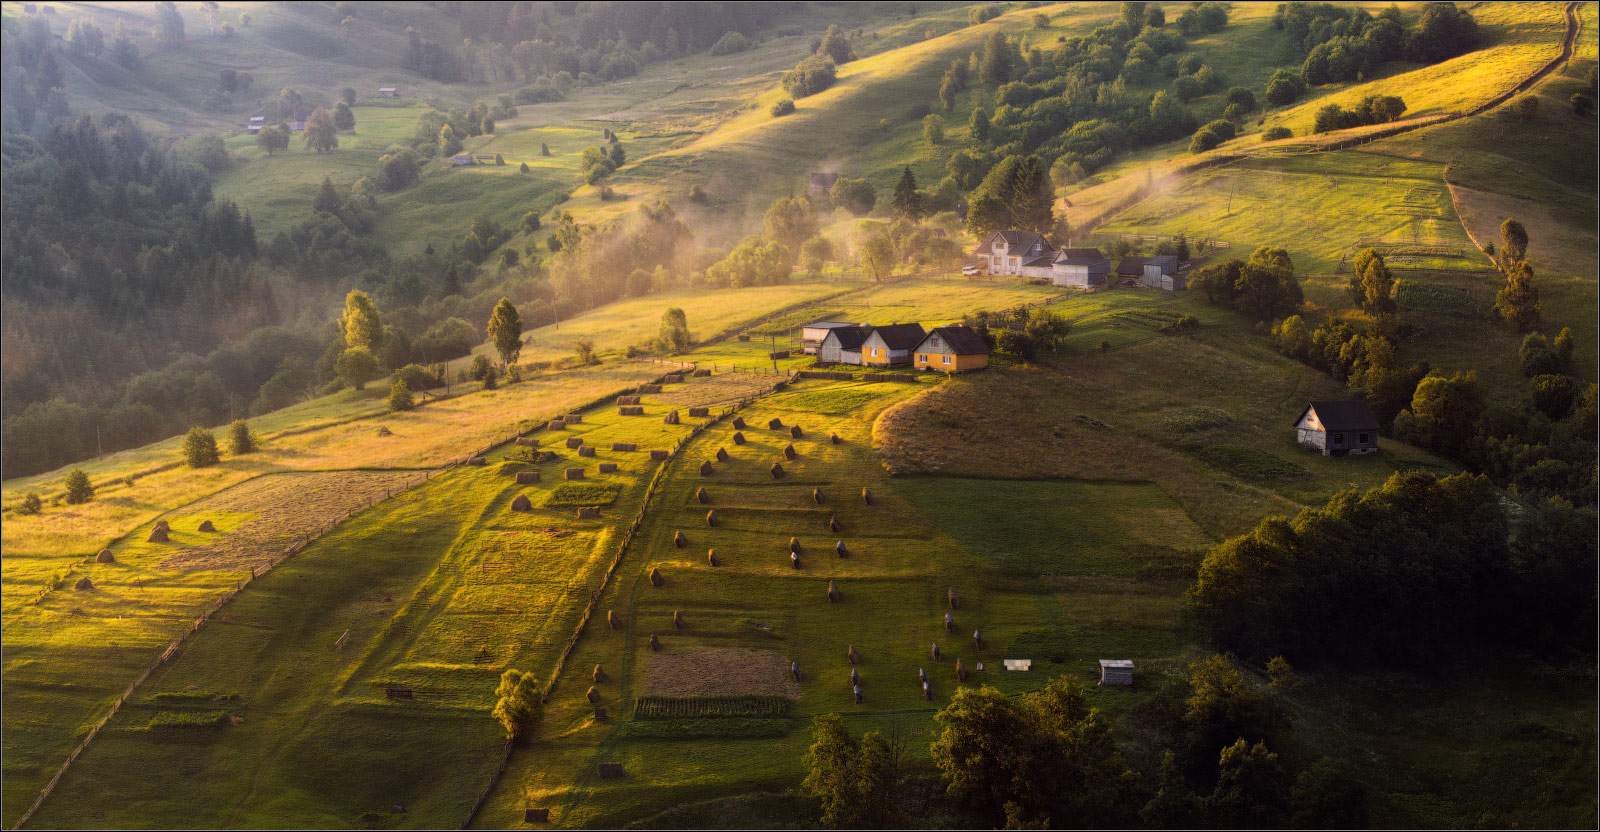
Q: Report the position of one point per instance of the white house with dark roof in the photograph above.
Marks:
(1338, 428)
(811, 335)
(1084, 268)
(842, 345)
(1029, 254)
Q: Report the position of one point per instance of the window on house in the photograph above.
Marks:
(947, 359)
(1363, 439)
(1338, 439)
(874, 353)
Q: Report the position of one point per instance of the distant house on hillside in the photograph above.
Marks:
(811, 335)
(388, 92)
(257, 123)
(951, 349)
(1085, 268)
(1338, 428)
(891, 345)
(1029, 254)
(1161, 272)
(842, 345)
(822, 182)
(461, 161)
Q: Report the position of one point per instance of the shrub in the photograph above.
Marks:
(200, 448)
(400, 396)
(810, 76)
(1204, 139)
(730, 43)
(482, 368)
(1273, 134)
(418, 377)
(240, 440)
(31, 504)
(783, 108)
(450, 338)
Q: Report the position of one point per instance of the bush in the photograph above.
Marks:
(1273, 134)
(418, 377)
(400, 396)
(730, 43)
(31, 504)
(482, 368)
(450, 338)
(1204, 139)
(200, 448)
(240, 440)
(810, 76)
(79, 490)
(783, 108)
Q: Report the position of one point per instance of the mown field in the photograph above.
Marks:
(434, 592)
(748, 617)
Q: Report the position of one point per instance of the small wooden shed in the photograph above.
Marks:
(1116, 672)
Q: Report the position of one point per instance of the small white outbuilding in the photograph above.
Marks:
(1116, 672)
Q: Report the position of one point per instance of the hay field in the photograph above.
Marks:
(440, 589)
(904, 551)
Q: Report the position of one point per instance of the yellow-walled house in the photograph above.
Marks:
(891, 345)
(951, 349)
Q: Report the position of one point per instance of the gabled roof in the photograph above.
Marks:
(1131, 266)
(1043, 260)
(1167, 262)
(1016, 241)
(961, 339)
(848, 337)
(1081, 257)
(1342, 415)
(826, 325)
(900, 336)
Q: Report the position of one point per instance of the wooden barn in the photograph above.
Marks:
(952, 349)
(1116, 671)
(1338, 428)
(891, 345)
(843, 345)
(811, 335)
(1025, 253)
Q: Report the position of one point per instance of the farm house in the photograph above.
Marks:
(1029, 254)
(388, 92)
(1084, 268)
(952, 349)
(843, 345)
(1338, 428)
(811, 335)
(891, 345)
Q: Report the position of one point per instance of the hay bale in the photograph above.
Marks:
(795, 432)
(478, 460)
(789, 452)
(521, 503)
(556, 424)
(574, 418)
(532, 815)
(738, 423)
(699, 412)
(574, 442)
(677, 620)
(649, 388)
(953, 599)
(857, 694)
(621, 400)
(624, 446)
(839, 547)
(794, 544)
(157, 535)
(588, 512)
(206, 526)
(866, 496)
(711, 557)
(162, 524)
(833, 593)
(937, 655)
(738, 438)
(927, 692)
(922, 675)
(949, 623)
(774, 423)
(671, 418)
(586, 450)
(574, 473)
(794, 670)
(961, 671)
(977, 639)
(701, 374)
(527, 442)
(634, 410)
(660, 455)
(83, 584)
(855, 677)
(777, 471)
(705, 468)
(702, 496)
(794, 560)
(711, 517)
(722, 455)
(852, 655)
(833, 525)
(655, 643)
(607, 468)
(655, 576)
(744, 336)
(383, 430)
(593, 695)
(817, 496)
(834, 438)
(679, 539)
(105, 556)
(599, 675)
(613, 620)
(527, 477)
(675, 378)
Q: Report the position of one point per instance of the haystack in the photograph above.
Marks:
(162, 524)
(937, 656)
(866, 496)
(383, 430)
(839, 547)
(705, 468)
(679, 539)
(777, 471)
(659, 455)
(527, 477)
(794, 560)
(927, 692)
(834, 438)
(738, 423)
(852, 655)
(521, 503)
(833, 593)
(677, 620)
(703, 496)
(573, 418)
(795, 432)
(789, 452)
(593, 695)
(613, 620)
(624, 446)
(711, 517)
(105, 556)
(478, 460)
(607, 468)
(655, 643)
(857, 694)
(774, 423)
(833, 525)
(157, 535)
(711, 556)
(977, 639)
(961, 671)
(722, 455)
(949, 623)
(574, 442)
(83, 583)
(630, 410)
(527, 442)
(588, 512)
(586, 450)
(671, 418)
(205, 526)
(701, 373)
(574, 473)
(699, 412)
(922, 675)
(738, 438)
(649, 388)
(794, 544)
(655, 576)
(621, 400)
(794, 670)
(855, 677)
(950, 596)
(675, 378)
(556, 424)
(599, 675)
(817, 496)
